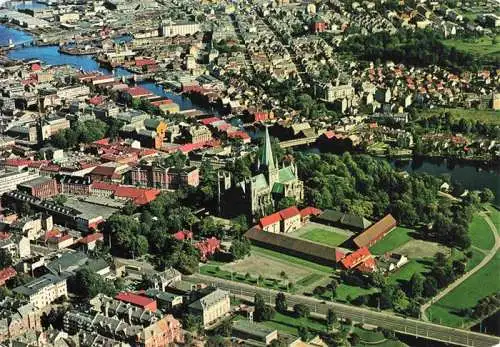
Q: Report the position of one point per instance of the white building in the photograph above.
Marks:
(44, 290)
(170, 29)
(9, 179)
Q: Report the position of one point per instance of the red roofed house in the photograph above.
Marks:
(90, 241)
(271, 223)
(357, 258)
(182, 235)
(138, 300)
(240, 134)
(138, 92)
(207, 247)
(6, 274)
(260, 116)
(375, 232)
(291, 220)
(307, 212)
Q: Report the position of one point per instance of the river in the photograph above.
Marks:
(50, 55)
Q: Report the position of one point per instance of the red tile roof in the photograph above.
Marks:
(6, 274)
(307, 211)
(138, 91)
(137, 300)
(207, 247)
(289, 212)
(356, 258)
(271, 219)
(210, 120)
(183, 235)
(92, 238)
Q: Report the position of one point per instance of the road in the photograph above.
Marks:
(396, 323)
(490, 255)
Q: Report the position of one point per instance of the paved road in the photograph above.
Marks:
(490, 255)
(385, 320)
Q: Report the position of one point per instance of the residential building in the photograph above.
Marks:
(247, 330)
(44, 290)
(137, 300)
(9, 179)
(343, 220)
(167, 278)
(6, 274)
(41, 187)
(166, 300)
(207, 247)
(290, 219)
(33, 226)
(211, 307)
(199, 133)
(17, 245)
(16, 317)
(360, 259)
(170, 29)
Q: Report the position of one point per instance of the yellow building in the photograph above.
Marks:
(212, 306)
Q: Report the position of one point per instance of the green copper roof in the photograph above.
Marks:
(286, 175)
(266, 157)
(278, 188)
(259, 182)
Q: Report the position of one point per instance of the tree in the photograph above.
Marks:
(304, 333)
(88, 284)
(240, 248)
(331, 318)
(399, 300)
(280, 303)
(355, 340)
(301, 310)
(225, 328)
(262, 312)
(5, 258)
(60, 199)
(430, 287)
(192, 323)
(487, 195)
(416, 285)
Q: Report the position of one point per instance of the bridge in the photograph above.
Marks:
(298, 142)
(399, 324)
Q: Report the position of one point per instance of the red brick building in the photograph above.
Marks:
(19, 319)
(41, 187)
(361, 259)
(156, 176)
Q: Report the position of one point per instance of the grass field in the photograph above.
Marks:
(344, 290)
(329, 238)
(288, 324)
(386, 343)
(485, 116)
(480, 233)
(396, 238)
(291, 259)
(476, 258)
(369, 336)
(480, 46)
(483, 283)
(404, 274)
(307, 281)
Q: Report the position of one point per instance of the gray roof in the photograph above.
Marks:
(347, 219)
(251, 328)
(67, 262)
(37, 284)
(36, 181)
(208, 300)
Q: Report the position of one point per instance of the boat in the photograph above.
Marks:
(11, 44)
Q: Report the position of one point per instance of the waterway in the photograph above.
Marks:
(50, 55)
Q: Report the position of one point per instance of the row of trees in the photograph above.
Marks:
(447, 123)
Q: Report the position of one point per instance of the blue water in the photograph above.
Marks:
(27, 4)
(50, 55)
(17, 37)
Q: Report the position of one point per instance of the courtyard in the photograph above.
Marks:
(323, 234)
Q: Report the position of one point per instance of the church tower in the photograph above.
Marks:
(267, 164)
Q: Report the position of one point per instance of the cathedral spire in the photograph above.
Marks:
(266, 158)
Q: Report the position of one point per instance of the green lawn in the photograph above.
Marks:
(291, 259)
(326, 237)
(386, 343)
(345, 290)
(404, 274)
(480, 46)
(310, 279)
(483, 283)
(476, 258)
(398, 237)
(288, 324)
(480, 233)
(369, 336)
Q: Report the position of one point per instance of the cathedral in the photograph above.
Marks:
(270, 183)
